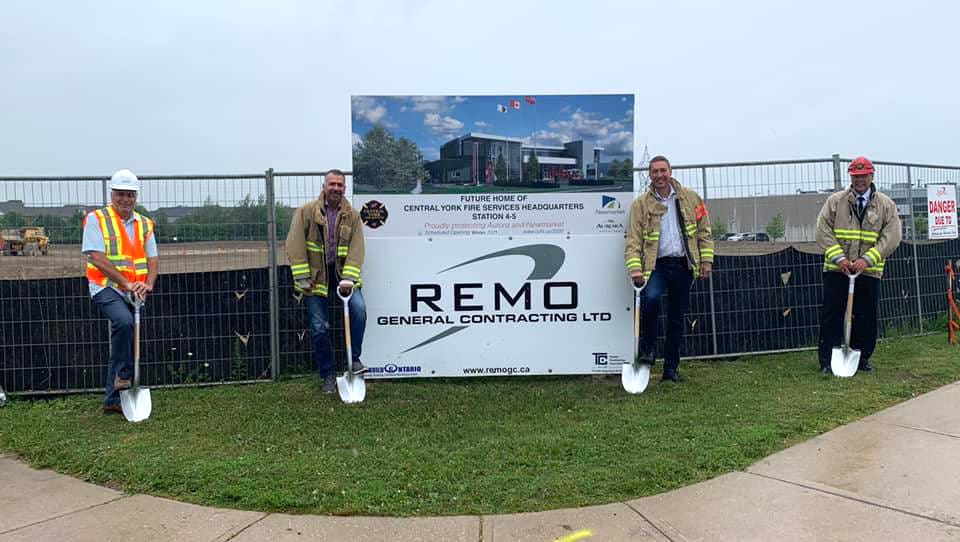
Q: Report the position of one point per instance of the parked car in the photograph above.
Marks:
(751, 236)
(727, 236)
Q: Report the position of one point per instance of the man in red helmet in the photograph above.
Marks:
(857, 229)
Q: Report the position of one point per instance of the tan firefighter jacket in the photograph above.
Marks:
(306, 245)
(643, 230)
(843, 233)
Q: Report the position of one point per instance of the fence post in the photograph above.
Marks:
(713, 313)
(913, 237)
(103, 188)
(837, 178)
(272, 275)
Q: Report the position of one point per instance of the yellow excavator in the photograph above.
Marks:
(29, 241)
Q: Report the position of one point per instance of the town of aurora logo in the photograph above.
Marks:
(374, 214)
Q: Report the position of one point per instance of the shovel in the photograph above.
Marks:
(844, 361)
(350, 386)
(135, 402)
(634, 376)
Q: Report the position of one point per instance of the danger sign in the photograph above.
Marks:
(942, 211)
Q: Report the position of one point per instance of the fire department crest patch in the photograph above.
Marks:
(374, 214)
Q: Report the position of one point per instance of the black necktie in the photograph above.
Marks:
(863, 203)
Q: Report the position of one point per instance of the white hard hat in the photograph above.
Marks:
(124, 180)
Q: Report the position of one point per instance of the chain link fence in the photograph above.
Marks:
(225, 310)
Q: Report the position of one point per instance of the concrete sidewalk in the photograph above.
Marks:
(892, 476)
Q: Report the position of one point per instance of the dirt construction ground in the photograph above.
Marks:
(66, 260)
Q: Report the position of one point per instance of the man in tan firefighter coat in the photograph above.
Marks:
(857, 229)
(325, 249)
(669, 243)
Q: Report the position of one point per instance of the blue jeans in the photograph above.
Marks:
(320, 328)
(671, 276)
(120, 313)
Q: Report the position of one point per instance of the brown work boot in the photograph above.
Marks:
(121, 384)
(113, 408)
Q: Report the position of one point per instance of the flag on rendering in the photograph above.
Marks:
(501, 108)
(515, 104)
(530, 100)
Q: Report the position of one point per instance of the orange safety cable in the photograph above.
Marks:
(952, 310)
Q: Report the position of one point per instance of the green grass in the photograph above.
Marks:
(445, 447)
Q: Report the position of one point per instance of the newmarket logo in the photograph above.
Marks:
(609, 202)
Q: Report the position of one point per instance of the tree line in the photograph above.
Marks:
(247, 221)
(386, 163)
(620, 170)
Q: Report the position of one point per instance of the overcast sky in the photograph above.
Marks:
(235, 87)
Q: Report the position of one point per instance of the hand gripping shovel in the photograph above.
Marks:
(350, 386)
(844, 361)
(135, 402)
(634, 376)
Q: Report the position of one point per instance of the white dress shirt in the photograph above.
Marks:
(671, 239)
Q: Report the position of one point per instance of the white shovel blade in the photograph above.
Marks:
(634, 377)
(844, 366)
(136, 404)
(351, 388)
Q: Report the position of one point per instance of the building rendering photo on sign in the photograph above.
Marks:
(495, 232)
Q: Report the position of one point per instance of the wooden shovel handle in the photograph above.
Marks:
(848, 317)
(346, 327)
(136, 344)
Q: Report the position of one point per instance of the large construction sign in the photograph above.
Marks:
(494, 231)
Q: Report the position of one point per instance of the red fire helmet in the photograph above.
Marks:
(860, 166)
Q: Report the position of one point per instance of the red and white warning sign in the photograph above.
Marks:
(942, 211)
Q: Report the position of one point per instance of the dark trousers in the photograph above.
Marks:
(317, 312)
(120, 313)
(673, 277)
(863, 332)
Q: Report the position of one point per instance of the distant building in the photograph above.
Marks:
(65, 211)
(174, 213)
(753, 214)
(11, 206)
(472, 158)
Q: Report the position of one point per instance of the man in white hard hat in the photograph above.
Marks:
(122, 263)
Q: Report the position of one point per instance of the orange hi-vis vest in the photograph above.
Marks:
(128, 256)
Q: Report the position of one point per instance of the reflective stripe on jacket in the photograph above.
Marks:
(843, 233)
(127, 255)
(643, 230)
(306, 245)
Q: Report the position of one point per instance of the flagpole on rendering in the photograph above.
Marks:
(515, 104)
(521, 155)
(502, 109)
(534, 130)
